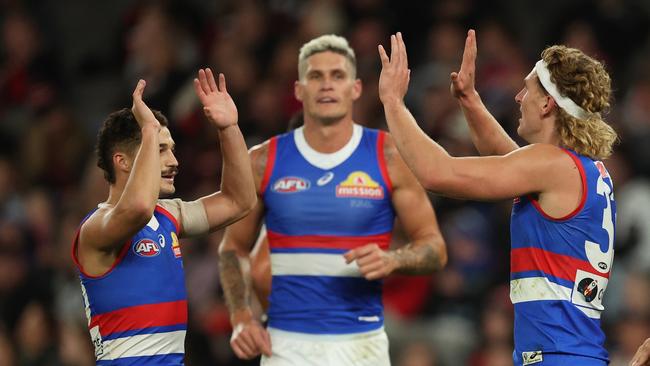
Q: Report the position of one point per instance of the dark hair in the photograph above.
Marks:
(120, 131)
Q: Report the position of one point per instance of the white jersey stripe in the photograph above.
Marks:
(592, 313)
(312, 264)
(540, 288)
(144, 345)
(537, 288)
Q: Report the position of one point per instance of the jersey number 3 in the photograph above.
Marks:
(589, 288)
(602, 261)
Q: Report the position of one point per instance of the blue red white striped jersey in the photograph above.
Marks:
(560, 268)
(137, 310)
(316, 213)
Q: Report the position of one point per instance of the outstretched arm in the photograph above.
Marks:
(525, 170)
(237, 195)
(487, 134)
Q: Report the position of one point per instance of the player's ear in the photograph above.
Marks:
(547, 107)
(121, 161)
(298, 90)
(357, 88)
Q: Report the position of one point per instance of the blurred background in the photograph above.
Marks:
(67, 64)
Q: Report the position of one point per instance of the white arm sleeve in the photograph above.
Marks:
(191, 216)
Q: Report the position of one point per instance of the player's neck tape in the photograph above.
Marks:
(565, 103)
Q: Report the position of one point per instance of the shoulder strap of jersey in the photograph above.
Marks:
(381, 160)
(270, 162)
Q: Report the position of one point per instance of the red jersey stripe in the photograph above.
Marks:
(557, 265)
(381, 159)
(277, 240)
(171, 218)
(583, 198)
(270, 162)
(141, 316)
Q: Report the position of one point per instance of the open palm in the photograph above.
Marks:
(218, 106)
(143, 114)
(462, 82)
(395, 74)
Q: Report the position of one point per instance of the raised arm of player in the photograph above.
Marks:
(426, 251)
(537, 168)
(107, 230)
(249, 338)
(487, 134)
(237, 195)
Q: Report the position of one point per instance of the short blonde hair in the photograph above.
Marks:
(585, 81)
(328, 42)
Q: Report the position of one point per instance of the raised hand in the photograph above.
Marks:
(395, 74)
(140, 110)
(218, 106)
(462, 82)
(373, 262)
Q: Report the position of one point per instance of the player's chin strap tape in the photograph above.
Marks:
(565, 103)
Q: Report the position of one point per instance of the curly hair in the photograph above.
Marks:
(119, 132)
(585, 81)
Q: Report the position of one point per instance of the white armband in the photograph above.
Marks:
(191, 216)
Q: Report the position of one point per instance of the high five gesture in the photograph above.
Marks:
(462, 82)
(218, 106)
(395, 74)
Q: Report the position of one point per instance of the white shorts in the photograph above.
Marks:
(301, 349)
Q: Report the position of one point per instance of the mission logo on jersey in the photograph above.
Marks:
(146, 248)
(359, 185)
(290, 185)
(176, 246)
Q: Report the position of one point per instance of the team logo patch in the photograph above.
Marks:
(290, 185)
(359, 185)
(588, 287)
(532, 357)
(146, 248)
(176, 246)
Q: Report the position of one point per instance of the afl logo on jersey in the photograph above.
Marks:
(290, 185)
(146, 248)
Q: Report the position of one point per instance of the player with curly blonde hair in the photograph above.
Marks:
(585, 81)
(562, 225)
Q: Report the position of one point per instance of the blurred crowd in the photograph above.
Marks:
(66, 65)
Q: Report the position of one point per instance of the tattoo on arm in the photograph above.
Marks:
(234, 285)
(417, 259)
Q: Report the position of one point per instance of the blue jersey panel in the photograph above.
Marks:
(560, 269)
(317, 215)
(138, 278)
(332, 305)
(351, 199)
